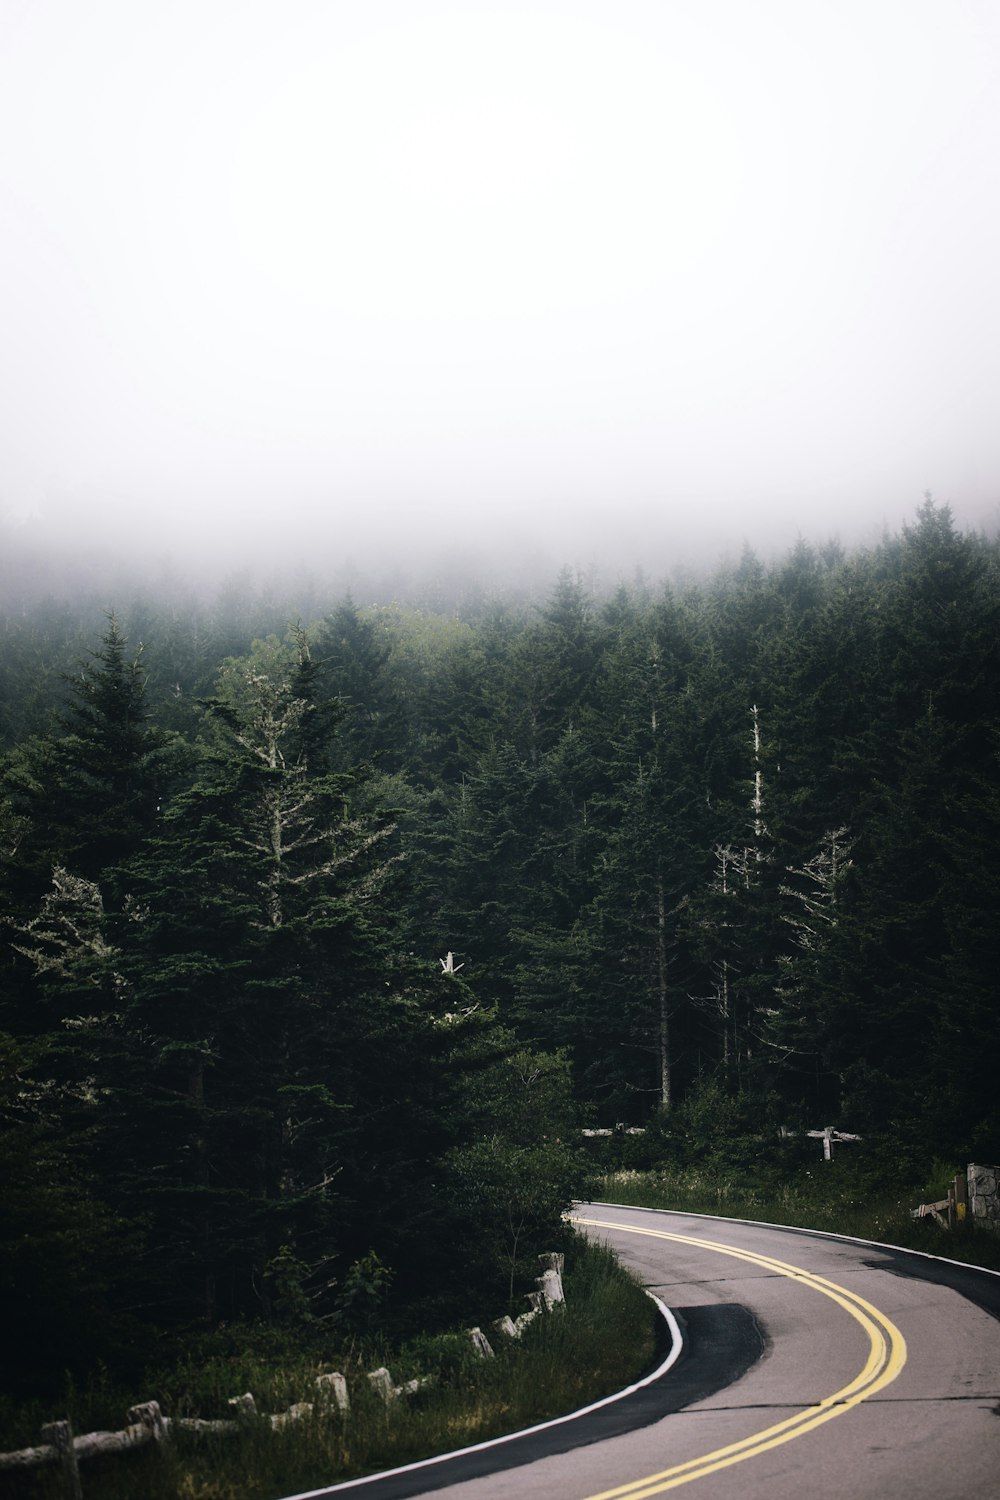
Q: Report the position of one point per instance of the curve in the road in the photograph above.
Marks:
(938, 1420)
(886, 1358)
(646, 1400)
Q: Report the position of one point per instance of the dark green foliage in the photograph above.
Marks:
(90, 794)
(59, 1243)
(717, 859)
(602, 1340)
(351, 659)
(515, 1196)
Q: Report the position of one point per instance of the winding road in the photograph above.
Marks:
(809, 1367)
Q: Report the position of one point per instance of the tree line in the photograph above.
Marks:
(738, 832)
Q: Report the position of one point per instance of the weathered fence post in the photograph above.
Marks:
(550, 1282)
(60, 1436)
(381, 1381)
(333, 1384)
(961, 1197)
(481, 1343)
(244, 1406)
(149, 1416)
(828, 1135)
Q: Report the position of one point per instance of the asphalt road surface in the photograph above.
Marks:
(811, 1369)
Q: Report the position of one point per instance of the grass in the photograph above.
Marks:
(600, 1342)
(841, 1197)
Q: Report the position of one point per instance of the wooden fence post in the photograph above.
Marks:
(334, 1385)
(381, 1381)
(961, 1197)
(60, 1436)
(481, 1343)
(149, 1416)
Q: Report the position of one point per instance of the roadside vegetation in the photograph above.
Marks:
(604, 1338)
(723, 1154)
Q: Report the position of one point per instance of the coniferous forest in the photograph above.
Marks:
(326, 930)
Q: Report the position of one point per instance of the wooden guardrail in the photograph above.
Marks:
(828, 1135)
(146, 1423)
(950, 1210)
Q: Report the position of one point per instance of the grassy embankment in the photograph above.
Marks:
(601, 1341)
(845, 1196)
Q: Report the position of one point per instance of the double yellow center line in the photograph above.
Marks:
(886, 1358)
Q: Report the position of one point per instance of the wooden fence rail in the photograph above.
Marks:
(947, 1211)
(147, 1424)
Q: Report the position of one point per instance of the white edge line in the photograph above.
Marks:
(676, 1346)
(825, 1234)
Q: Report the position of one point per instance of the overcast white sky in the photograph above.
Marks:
(392, 274)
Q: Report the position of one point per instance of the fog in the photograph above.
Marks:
(410, 285)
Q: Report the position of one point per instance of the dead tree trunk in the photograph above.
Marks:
(661, 981)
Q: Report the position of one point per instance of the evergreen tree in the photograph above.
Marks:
(648, 814)
(352, 655)
(90, 794)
